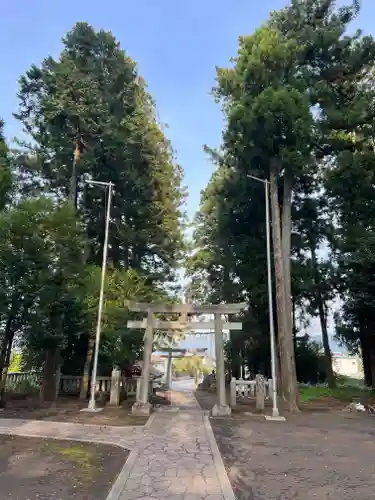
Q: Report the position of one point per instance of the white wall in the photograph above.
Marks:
(349, 366)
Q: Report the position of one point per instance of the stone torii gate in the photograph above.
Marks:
(142, 405)
(175, 353)
(172, 353)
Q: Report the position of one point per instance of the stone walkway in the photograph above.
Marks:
(175, 458)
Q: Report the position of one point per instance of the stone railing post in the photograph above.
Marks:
(233, 392)
(115, 387)
(259, 392)
(138, 389)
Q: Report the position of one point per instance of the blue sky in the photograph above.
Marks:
(177, 45)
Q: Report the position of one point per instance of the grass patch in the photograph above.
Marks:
(83, 457)
(342, 393)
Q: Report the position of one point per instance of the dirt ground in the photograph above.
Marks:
(315, 455)
(45, 469)
(68, 410)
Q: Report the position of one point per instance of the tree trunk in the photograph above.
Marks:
(291, 378)
(5, 352)
(370, 344)
(286, 235)
(4, 373)
(323, 319)
(286, 246)
(294, 323)
(86, 369)
(57, 378)
(367, 369)
(365, 351)
(7, 339)
(73, 191)
(73, 184)
(372, 363)
(327, 350)
(288, 380)
(50, 375)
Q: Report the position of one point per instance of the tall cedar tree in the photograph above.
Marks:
(90, 117)
(325, 57)
(338, 72)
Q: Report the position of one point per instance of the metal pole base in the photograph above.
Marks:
(92, 410)
(141, 409)
(221, 411)
(276, 418)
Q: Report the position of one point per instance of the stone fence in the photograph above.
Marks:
(259, 390)
(69, 384)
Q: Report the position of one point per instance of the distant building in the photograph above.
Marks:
(346, 365)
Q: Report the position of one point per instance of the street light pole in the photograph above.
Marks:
(91, 406)
(275, 410)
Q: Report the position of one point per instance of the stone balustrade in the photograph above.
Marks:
(259, 390)
(17, 379)
(69, 384)
(131, 386)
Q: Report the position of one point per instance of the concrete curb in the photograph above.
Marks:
(149, 421)
(197, 402)
(92, 427)
(119, 485)
(95, 440)
(222, 475)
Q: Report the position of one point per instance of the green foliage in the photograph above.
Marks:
(91, 99)
(310, 363)
(5, 170)
(189, 365)
(120, 345)
(41, 253)
(88, 116)
(299, 98)
(346, 393)
(269, 128)
(15, 364)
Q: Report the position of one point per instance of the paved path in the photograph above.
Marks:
(183, 384)
(175, 458)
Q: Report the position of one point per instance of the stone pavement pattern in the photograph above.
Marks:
(174, 459)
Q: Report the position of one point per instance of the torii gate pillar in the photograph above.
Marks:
(220, 409)
(143, 406)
